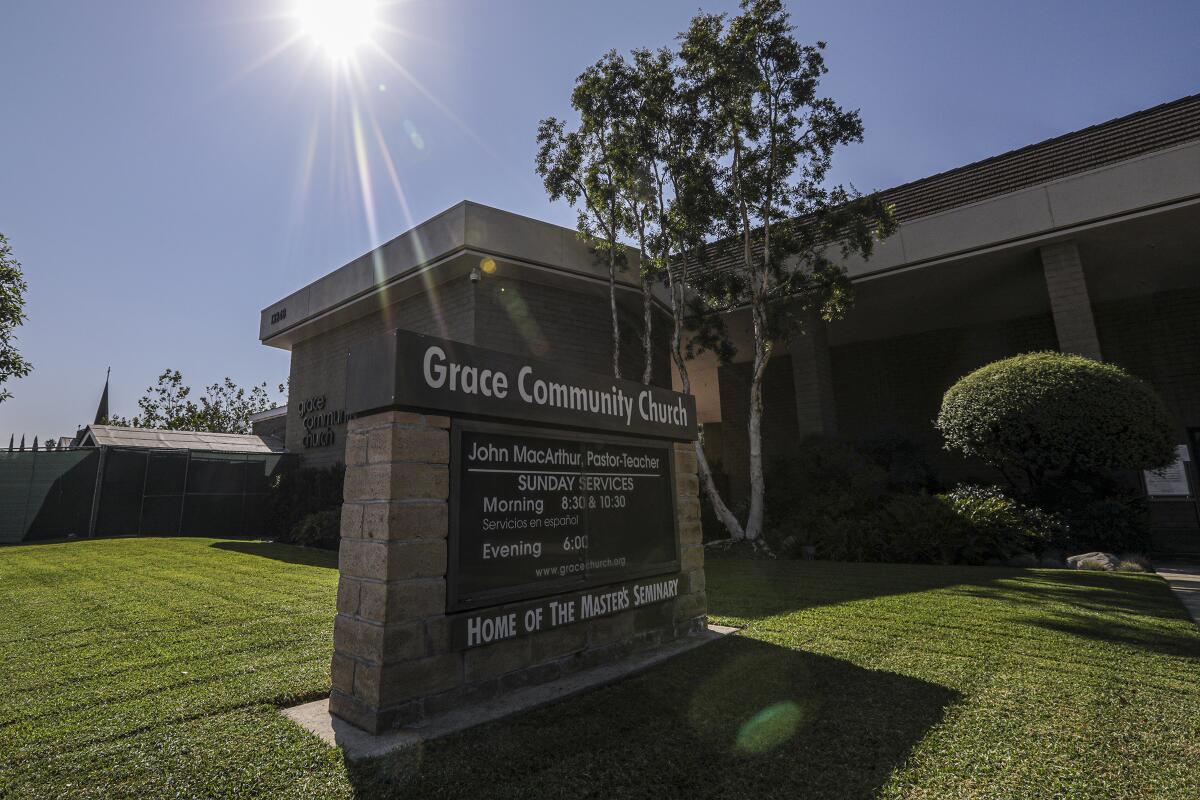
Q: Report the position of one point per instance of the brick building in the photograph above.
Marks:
(1086, 243)
(472, 274)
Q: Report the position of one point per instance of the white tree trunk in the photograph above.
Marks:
(762, 353)
(612, 302)
(724, 515)
(647, 320)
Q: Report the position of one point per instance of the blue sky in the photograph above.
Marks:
(167, 169)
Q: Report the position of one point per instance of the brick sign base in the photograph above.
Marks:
(396, 658)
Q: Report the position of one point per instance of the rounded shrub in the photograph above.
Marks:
(1047, 416)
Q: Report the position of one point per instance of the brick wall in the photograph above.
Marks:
(1157, 338)
(887, 386)
(501, 314)
(550, 322)
(779, 428)
(319, 364)
(895, 386)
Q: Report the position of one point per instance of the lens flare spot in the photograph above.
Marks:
(488, 265)
(769, 728)
(413, 135)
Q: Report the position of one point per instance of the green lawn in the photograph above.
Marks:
(153, 668)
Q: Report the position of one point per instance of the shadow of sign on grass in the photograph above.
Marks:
(288, 553)
(737, 718)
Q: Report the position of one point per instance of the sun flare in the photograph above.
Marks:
(340, 27)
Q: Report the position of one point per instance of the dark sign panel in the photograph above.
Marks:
(534, 513)
(407, 370)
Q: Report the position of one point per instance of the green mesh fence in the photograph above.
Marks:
(46, 495)
(148, 492)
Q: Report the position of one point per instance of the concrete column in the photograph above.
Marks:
(392, 565)
(1069, 301)
(812, 380)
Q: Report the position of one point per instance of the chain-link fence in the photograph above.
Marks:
(116, 491)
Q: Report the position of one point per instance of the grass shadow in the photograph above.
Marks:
(289, 553)
(751, 590)
(1138, 637)
(756, 589)
(737, 718)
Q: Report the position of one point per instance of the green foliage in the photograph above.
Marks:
(718, 150)
(300, 493)
(998, 528)
(12, 315)
(767, 139)
(1134, 562)
(223, 408)
(319, 529)
(582, 166)
(1054, 419)
(903, 460)
(920, 529)
(836, 502)
(1113, 524)
(820, 483)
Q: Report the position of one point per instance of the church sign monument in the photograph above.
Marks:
(507, 521)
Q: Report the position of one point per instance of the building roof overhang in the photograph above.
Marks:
(442, 249)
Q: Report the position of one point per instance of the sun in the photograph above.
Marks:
(341, 27)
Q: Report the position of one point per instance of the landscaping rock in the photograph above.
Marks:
(1106, 562)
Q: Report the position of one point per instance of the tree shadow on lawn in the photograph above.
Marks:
(757, 589)
(290, 553)
(1140, 595)
(736, 718)
(1182, 645)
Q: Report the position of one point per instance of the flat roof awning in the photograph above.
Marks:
(116, 436)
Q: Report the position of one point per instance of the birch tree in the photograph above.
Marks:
(580, 166)
(768, 143)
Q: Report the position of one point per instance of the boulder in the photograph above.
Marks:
(1095, 560)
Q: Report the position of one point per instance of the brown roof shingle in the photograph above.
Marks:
(1119, 139)
(1116, 140)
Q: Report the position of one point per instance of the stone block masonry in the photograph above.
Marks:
(395, 659)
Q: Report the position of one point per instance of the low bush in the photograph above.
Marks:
(299, 493)
(918, 528)
(821, 482)
(998, 528)
(903, 460)
(319, 529)
(1112, 524)
(1138, 560)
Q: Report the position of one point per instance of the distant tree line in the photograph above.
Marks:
(12, 315)
(224, 407)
